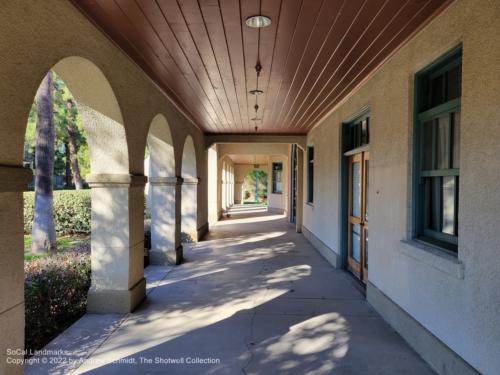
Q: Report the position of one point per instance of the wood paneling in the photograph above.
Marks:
(314, 53)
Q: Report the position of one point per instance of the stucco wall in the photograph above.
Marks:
(456, 299)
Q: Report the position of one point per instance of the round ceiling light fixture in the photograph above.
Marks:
(258, 21)
(255, 119)
(256, 92)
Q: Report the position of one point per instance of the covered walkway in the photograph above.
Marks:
(254, 298)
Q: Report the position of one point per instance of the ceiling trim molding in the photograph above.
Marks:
(211, 139)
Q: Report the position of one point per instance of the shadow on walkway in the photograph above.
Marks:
(254, 298)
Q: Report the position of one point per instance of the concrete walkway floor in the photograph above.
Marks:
(254, 298)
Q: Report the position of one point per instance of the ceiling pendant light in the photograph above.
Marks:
(256, 92)
(258, 21)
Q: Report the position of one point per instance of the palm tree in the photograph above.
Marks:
(43, 230)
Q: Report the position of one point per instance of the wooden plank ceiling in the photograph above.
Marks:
(312, 55)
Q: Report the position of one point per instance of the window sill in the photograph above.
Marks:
(310, 204)
(434, 257)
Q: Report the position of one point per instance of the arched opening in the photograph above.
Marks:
(254, 190)
(117, 282)
(189, 205)
(160, 191)
(57, 211)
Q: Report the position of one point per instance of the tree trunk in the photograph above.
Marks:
(43, 230)
(67, 177)
(73, 151)
(73, 157)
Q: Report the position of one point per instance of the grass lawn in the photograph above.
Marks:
(64, 243)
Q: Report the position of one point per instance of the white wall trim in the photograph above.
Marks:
(328, 253)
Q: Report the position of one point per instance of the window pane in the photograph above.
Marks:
(356, 135)
(453, 77)
(441, 200)
(365, 133)
(356, 189)
(433, 203)
(277, 184)
(357, 141)
(443, 142)
(456, 140)
(355, 242)
(449, 192)
(436, 94)
(427, 145)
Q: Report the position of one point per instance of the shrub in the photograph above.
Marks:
(71, 211)
(55, 291)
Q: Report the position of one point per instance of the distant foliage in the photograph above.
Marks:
(55, 291)
(72, 210)
(255, 186)
(64, 115)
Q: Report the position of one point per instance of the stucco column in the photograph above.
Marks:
(13, 181)
(117, 243)
(231, 188)
(190, 207)
(164, 248)
(179, 255)
(223, 195)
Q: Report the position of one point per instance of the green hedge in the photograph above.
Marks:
(55, 291)
(71, 211)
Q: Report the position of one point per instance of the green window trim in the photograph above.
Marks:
(436, 174)
(432, 113)
(310, 174)
(277, 175)
(358, 131)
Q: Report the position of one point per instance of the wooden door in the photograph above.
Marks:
(358, 215)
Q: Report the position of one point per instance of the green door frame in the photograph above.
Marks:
(345, 141)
